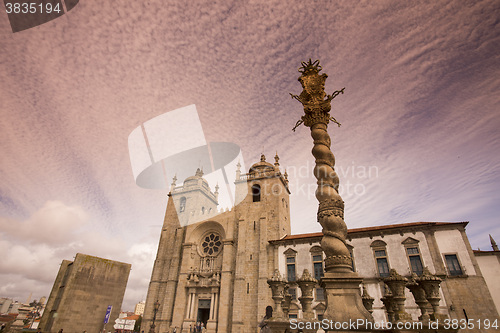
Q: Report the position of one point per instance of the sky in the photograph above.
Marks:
(419, 139)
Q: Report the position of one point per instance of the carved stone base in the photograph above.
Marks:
(186, 325)
(438, 316)
(278, 325)
(343, 297)
(211, 326)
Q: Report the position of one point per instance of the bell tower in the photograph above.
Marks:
(263, 214)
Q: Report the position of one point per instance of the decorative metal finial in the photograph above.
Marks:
(317, 104)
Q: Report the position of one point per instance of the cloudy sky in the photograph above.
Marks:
(419, 139)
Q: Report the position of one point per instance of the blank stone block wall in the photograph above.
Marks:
(82, 292)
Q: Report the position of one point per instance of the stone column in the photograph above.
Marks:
(277, 285)
(286, 302)
(419, 296)
(430, 283)
(193, 302)
(306, 284)
(188, 306)
(388, 303)
(397, 285)
(216, 305)
(341, 284)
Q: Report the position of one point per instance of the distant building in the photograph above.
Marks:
(82, 292)
(139, 308)
(5, 304)
(126, 324)
(6, 321)
(27, 315)
(489, 262)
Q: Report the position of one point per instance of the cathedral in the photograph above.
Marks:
(212, 266)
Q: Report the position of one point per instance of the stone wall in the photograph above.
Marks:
(82, 292)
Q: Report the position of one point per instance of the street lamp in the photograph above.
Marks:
(155, 310)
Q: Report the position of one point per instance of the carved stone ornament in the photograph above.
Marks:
(285, 304)
(430, 283)
(277, 284)
(367, 300)
(419, 296)
(336, 261)
(306, 284)
(397, 285)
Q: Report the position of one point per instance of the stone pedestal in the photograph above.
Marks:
(287, 301)
(343, 297)
(306, 284)
(430, 284)
(186, 324)
(277, 284)
(211, 326)
(419, 296)
(397, 284)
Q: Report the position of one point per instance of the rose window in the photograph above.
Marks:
(211, 244)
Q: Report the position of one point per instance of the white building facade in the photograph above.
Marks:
(441, 247)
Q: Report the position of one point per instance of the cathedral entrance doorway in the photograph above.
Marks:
(203, 311)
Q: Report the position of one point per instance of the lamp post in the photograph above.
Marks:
(155, 310)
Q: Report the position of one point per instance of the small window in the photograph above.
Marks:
(453, 265)
(351, 252)
(292, 316)
(382, 264)
(290, 268)
(182, 206)
(415, 260)
(320, 294)
(318, 266)
(320, 317)
(256, 193)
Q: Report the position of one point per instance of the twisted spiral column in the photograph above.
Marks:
(341, 284)
(317, 106)
(331, 206)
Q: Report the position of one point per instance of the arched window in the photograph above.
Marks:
(256, 193)
(182, 206)
(317, 260)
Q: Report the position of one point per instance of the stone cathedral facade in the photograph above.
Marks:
(216, 270)
(212, 266)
